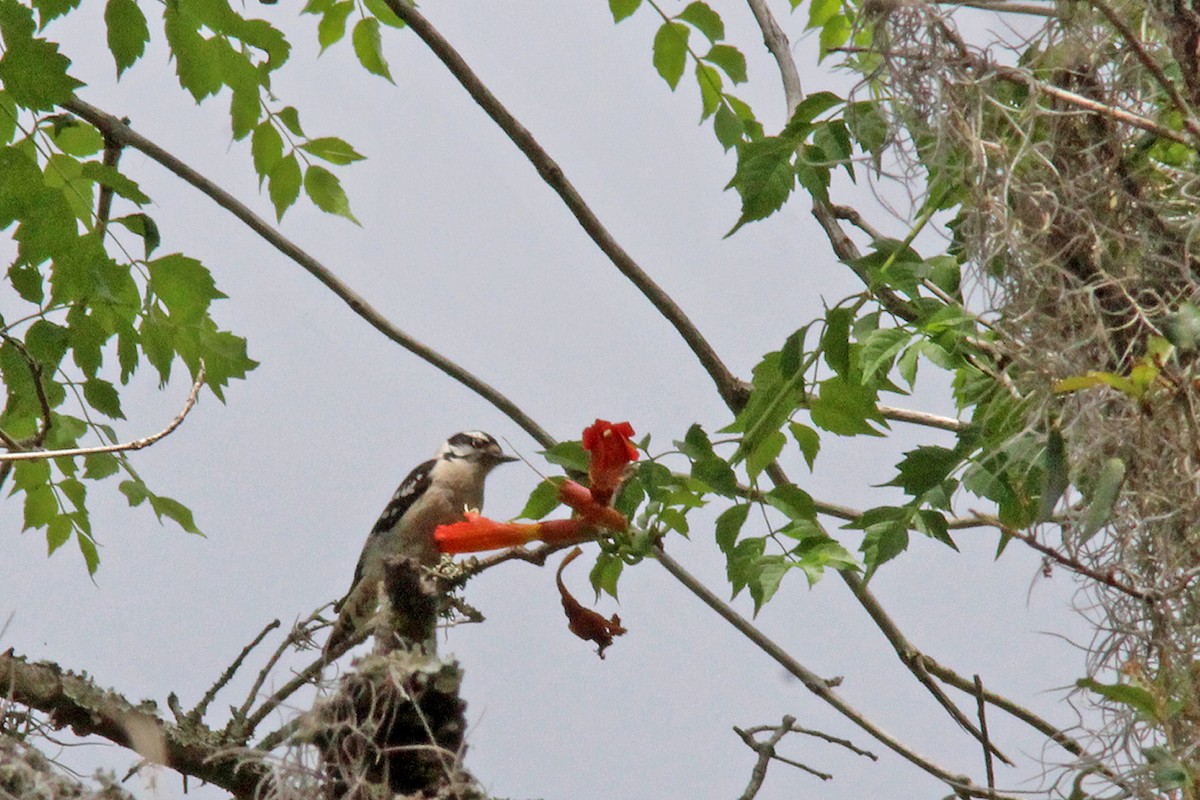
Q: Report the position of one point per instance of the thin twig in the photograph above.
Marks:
(814, 683)
(1060, 558)
(110, 125)
(197, 713)
(981, 709)
(922, 418)
(1152, 66)
(298, 633)
(136, 444)
(1005, 7)
(766, 751)
(552, 173)
(777, 45)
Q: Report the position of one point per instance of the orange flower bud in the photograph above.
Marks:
(611, 452)
(478, 533)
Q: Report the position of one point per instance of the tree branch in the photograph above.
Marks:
(727, 384)
(120, 132)
(73, 701)
(136, 444)
(815, 684)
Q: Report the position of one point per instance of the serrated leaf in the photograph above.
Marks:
(670, 51)
(100, 465)
(41, 506)
(175, 511)
(87, 547)
(144, 226)
(290, 118)
(716, 474)
(821, 11)
(570, 455)
(183, 284)
(623, 8)
(730, 60)
(75, 138)
(795, 503)
(764, 451)
(728, 127)
(384, 14)
(606, 574)
(102, 396)
(34, 73)
(729, 525)
(709, 82)
(325, 190)
(332, 26)
(127, 32)
(835, 33)
(115, 180)
(1104, 497)
(57, 533)
(845, 408)
(266, 148)
(368, 46)
(764, 178)
(924, 468)
(808, 440)
(702, 17)
(331, 149)
(542, 500)
(769, 574)
(283, 184)
(835, 339)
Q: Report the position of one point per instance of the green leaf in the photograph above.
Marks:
(623, 8)
(1170, 774)
(606, 573)
(570, 455)
(58, 532)
(283, 184)
(729, 525)
(808, 440)
(716, 473)
(793, 501)
(173, 510)
(34, 73)
(670, 51)
(113, 179)
(769, 574)
(369, 48)
(331, 149)
(835, 340)
(709, 81)
(1137, 698)
(542, 500)
(184, 285)
(764, 178)
(266, 148)
(835, 33)
(702, 17)
(728, 127)
(332, 26)
(1057, 477)
(135, 491)
(102, 396)
(144, 226)
(1104, 497)
(290, 118)
(384, 14)
(764, 451)
(812, 107)
(880, 349)
(325, 190)
(845, 408)
(47, 342)
(730, 60)
(8, 118)
(41, 506)
(52, 9)
(924, 469)
(100, 465)
(198, 70)
(821, 11)
(75, 138)
(127, 32)
(885, 535)
(87, 547)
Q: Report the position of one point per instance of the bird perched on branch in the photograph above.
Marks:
(436, 493)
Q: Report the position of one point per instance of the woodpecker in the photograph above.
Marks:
(436, 492)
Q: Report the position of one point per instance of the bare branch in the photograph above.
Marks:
(777, 44)
(197, 714)
(815, 684)
(120, 132)
(73, 701)
(981, 709)
(136, 444)
(766, 751)
(552, 173)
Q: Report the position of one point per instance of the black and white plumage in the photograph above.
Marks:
(436, 492)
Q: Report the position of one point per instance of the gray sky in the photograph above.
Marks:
(464, 247)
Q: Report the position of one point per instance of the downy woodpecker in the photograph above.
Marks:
(436, 493)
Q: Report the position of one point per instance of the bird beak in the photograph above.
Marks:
(505, 459)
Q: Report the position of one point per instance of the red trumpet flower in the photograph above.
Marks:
(476, 533)
(611, 452)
